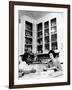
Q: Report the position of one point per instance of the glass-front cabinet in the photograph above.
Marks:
(39, 38)
(53, 34)
(28, 35)
(46, 36)
(50, 36)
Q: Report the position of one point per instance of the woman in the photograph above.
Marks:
(24, 68)
(54, 64)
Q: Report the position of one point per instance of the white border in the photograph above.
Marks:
(32, 8)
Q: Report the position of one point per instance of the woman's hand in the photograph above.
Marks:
(21, 73)
(45, 69)
(52, 68)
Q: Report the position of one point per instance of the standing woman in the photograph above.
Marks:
(55, 65)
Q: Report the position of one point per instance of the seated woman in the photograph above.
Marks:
(54, 64)
(24, 68)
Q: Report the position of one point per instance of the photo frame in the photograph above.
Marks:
(54, 21)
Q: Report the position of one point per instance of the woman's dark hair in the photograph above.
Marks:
(52, 51)
(25, 57)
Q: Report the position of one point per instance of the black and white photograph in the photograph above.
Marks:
(40, 45)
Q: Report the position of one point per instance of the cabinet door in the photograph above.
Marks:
(46, 36)
(53, 27)
(28, 35)
(50, 35)
(39, 38)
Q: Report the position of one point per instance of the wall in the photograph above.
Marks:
(4, 45)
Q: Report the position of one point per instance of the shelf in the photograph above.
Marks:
(39, 37)
(47, 43)
(53, 22)
(53, 30)
(47, 46)
(39, 34)
(54, 45)
(39, 45)
(53, 26)
(39, 41)
(28, 30)
(28, 25)
(39, 31)
(26, 50)
(53, 41)
(28, 44)
(53, 33)
(46, 28)
(53, 37)
(46, 24)
(39, 49)
(47, 36)
(28, 34)
(28, 37)
(47, 39)
(46, 32)
(39, 27)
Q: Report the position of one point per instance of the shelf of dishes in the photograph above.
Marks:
(39, 49)
(53, 30)
(27, 47)
(28, 40)
(39, 27)
(46, 25)
(39, 34)
(47, 47)
(39, 41)
(47, 39)
(53, 22)
(54, 45)
(28, 26)
(46, 32)
(53, 37)
(27, 33)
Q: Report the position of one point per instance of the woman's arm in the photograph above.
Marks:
(49, 60)
(52, 68)
(29, 71)
(23, 72)
(57, 65)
